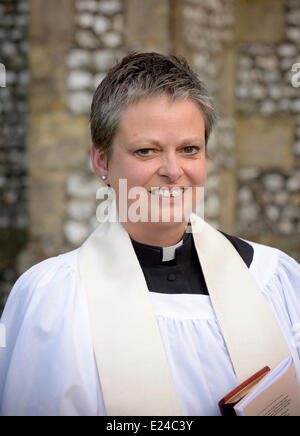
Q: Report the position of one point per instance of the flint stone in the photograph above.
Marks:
(75, 232)
(79, 80)
(80, 102)
(110, 7)
(101, 25)
(273, 182)
(112, 39)
(103, 60)
(78, 58)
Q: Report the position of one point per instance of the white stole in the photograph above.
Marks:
(131, 360)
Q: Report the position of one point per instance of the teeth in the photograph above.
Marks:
(176, 192)
(166, 192)
(154, 191)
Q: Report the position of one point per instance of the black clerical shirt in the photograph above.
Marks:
(183, 274)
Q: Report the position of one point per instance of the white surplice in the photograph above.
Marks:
(48, 365)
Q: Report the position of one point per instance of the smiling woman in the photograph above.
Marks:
(151, 119)
(156, 313)
(159, 146)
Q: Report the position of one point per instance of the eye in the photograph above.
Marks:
(191, 149)
(144, 152)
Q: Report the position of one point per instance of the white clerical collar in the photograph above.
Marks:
(169, 252)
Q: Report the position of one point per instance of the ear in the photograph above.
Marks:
(99, 162)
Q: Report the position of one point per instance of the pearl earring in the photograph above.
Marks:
(104, 177)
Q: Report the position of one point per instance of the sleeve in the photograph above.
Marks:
(46, 366)
(283, 293)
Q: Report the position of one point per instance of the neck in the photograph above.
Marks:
(158, 234)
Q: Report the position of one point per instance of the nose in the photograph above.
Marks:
(170, 168)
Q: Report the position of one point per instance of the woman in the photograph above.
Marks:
(139, 292)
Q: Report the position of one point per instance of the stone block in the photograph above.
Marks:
(226, 91)
(227, 192)
(48, 77)
(148, 24)
(51, 21)
(259, 20)
(47, 203)
(58, 141)
(265, 142)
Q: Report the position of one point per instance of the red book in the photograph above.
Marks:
(266, 393)
(227, 403)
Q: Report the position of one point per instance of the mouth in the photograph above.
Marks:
(165, 192)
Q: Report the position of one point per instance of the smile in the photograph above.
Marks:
(165, 192)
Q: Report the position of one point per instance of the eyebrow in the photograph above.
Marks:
(194, 141)
(189, 141)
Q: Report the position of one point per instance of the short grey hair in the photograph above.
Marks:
(144, 75)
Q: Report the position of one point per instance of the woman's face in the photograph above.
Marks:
(159, 148)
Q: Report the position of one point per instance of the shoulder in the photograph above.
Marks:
(268, 265)
(47, 282)
(271, 264)
(52, 269)
(244, 249)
